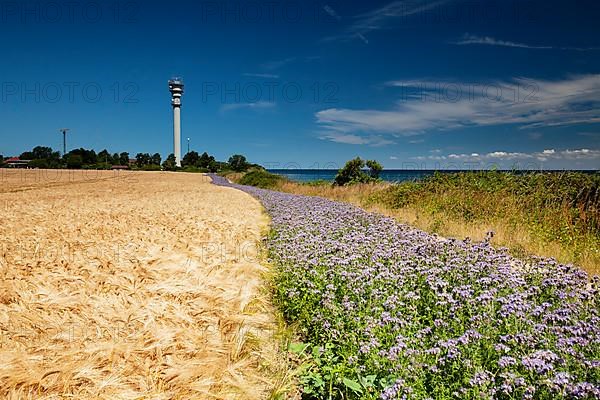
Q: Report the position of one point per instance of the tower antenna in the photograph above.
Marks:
(64, 132)
(176, 89)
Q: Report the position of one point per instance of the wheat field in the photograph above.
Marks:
(132, 286)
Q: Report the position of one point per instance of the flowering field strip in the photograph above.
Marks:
(392, 312)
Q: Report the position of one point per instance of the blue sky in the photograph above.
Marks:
(413, 84)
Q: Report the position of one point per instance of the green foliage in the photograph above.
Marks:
(45, 157)
(151, 167)
(88, 157)
(156, 158)
(353, 172)
(190, 159)
(374, 169)
(101, 165)
(40, 153)
(27, 155)
(193, 162)
(104, 157)
(74, 161)
(169, 163)
(142, 159)
(124, 158)
(42, 164)
(208, 162)
(238, 163)
(147, 162)
(261, 178)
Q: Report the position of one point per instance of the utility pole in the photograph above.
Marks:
(64, 132)
(188, 145)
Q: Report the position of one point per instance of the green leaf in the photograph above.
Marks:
(297, 348)
(367, 381)
(355, 386)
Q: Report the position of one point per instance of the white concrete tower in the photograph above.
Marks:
(176, 89)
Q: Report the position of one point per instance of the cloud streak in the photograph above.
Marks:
(276, 64)
(381, 18)
(490, 41)
(257, 75)
(527, 103)
(369, 140)
(257, 106)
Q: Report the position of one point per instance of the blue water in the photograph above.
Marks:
(389, 175)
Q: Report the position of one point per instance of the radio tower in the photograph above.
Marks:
(176, 89)
(64, 132)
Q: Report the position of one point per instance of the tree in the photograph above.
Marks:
(88, 157)
(190, 159)
(124, 158)
(142, 159)
(350, 173)
(28, 155)
(238, 163)
(205, 160)
(115, 159)
(169, 164)
(1, 159)
(156, 159)
(74, 161)
(45, 157)
(215, 166)
(374, 169)
(104, 157)
(353, 172)
(38, 163)
(41, 153)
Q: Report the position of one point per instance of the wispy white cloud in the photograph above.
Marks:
(539, 103)
(486, 40)
(332, 13)
(381, 18)
(257, 75)
(257, 106)
(276, 64)
(468, 39)
(370, 140)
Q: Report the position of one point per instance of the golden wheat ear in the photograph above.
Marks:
(144, 285)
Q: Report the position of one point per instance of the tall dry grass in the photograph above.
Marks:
(134, 286)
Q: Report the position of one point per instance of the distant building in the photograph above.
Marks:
(16, 162)
(120, 167)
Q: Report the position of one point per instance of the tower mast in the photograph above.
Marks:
(176, 89)
(64, 132)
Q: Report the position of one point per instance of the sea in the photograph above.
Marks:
(388, 175)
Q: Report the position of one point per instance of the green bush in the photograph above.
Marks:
(151, 167)
(261, 178)
(38, 163)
